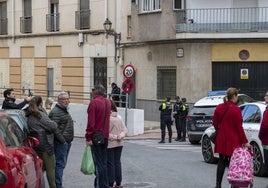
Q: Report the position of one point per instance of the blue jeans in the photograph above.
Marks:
(99, 154)
(114, 166)
(61, 155)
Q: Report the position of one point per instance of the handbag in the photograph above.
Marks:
(213, 135)
(98, 138)
(87, 165)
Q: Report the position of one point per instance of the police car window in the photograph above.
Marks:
(251, 114)
(204, 110)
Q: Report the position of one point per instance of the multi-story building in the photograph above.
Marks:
(188, 48)
(56, 45)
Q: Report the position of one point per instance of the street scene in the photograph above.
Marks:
(174, 90)
(147, 164)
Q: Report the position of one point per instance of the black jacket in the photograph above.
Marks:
(61, 116)
(9, 103)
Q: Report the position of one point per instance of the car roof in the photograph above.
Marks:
(217, 99)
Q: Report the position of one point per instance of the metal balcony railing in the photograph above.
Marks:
(26, 24)
(3, 26)
(82, 19)
(53, 22)
(222, 20)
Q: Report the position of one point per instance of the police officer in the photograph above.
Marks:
(182, 118)
(176, 115)
(165, 118)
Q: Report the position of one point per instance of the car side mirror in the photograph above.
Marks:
(3, 177)
(33, 142)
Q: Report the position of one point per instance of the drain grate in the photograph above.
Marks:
(139, 184)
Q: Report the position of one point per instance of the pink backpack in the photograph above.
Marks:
(240, 171)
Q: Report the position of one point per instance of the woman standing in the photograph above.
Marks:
(117, 132)
(263, 134)
(43, 128)
(227, 120)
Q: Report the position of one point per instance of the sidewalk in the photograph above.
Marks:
(151, 131)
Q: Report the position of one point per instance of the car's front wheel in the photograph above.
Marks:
(258, 164)
(207, 150)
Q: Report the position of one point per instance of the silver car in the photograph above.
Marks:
(252, 116)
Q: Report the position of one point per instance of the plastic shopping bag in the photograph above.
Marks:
(87, 165)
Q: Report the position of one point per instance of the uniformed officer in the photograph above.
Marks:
(182, 118)
(165, 119)
(176, 115)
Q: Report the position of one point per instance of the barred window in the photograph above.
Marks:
(149, 5)
(166, 82)
(178, 4)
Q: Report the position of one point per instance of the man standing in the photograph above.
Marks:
(165, 118)
(182, 118)
(61, 116)
(99, 110)
(176, 114)
(116, 94)
(10, 98)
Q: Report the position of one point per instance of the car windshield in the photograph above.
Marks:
(203, 110)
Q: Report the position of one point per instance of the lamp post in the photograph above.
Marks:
(107, 25)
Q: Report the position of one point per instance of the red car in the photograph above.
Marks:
(20, 166)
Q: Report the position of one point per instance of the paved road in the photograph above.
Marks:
(147, 164)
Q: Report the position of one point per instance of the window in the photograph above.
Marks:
(54, 17)
(82, 16)
(3, 18)
(149, 5)
(251, 114)
(166, 82)
(178, 4)
(129, 26)
(26, 19)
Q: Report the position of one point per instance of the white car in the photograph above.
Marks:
(252, 116)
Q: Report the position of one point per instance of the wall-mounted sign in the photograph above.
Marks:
(243, 54)
(180, 52)
(243, 74)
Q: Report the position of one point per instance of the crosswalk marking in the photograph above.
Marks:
(185, 146)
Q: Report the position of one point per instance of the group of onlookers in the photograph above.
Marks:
(53, 127)
(55, 130)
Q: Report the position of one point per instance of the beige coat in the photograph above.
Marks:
(117, 131)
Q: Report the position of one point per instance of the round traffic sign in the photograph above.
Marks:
(128, 71)
(128, 85)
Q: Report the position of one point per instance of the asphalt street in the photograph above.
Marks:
(147, 164)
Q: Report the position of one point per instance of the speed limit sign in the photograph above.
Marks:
(128, 71)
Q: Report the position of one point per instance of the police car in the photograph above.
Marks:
(201, 115)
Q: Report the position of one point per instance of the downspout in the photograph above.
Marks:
(13, 20)
(105, 9)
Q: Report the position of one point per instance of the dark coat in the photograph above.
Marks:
(61, 116)
(231, 133)
(44, 130)
(9, 103)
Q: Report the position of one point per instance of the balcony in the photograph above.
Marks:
(3, 26)
(222, 20)
(26, 24)
(82, 19)
(53, 22)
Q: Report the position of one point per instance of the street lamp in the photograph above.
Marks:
(107, 25)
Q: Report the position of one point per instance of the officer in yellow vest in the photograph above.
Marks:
(165, 119)
(182, 118)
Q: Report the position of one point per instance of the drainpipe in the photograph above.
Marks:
(13, 20)
(105, 9)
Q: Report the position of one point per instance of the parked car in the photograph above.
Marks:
(252, 114)
(200, 116)
(20, 165)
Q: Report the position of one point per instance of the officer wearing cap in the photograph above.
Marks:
(165, 119)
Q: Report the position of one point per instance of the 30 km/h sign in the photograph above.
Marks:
(128, 71)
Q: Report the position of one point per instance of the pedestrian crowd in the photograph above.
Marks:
(53, 126)
(105, 131)
(178, 112)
